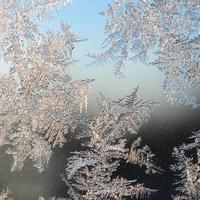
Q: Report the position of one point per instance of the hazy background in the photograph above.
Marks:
(169, 126)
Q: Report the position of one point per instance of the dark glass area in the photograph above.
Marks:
(168, 127)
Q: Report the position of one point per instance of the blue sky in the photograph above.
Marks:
(84, 17)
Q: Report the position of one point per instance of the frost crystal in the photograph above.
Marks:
(188, 169)
(39, 100)
(89, 172)
(5, 195)
(169, 29)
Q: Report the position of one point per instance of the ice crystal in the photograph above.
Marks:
(168, 29)
(5, 195)
(188, 169)
(39, 99)
(89, 172)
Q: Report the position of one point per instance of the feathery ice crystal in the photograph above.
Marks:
(89, 172)
(166, 31)
(188, 169)
(5, 195)
(38, 97)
